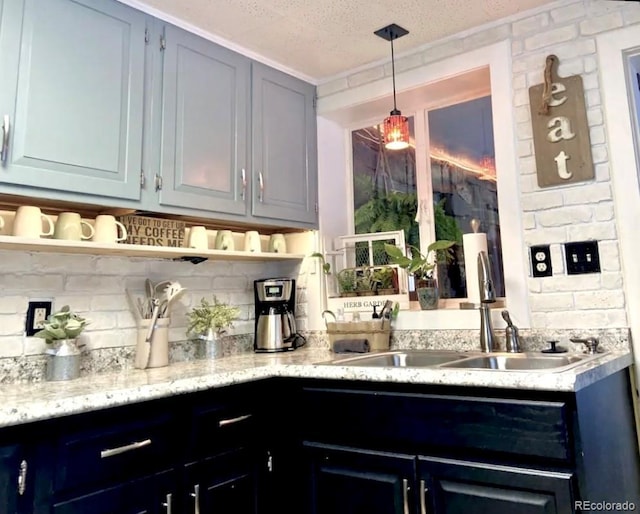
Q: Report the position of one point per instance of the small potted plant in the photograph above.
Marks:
(365, 285)
(208, 322)
(347, 282)
(422, 268)
(384, 279)
(61, 330)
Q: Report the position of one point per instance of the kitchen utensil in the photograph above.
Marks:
(157, 354)
(135, 305)
(147, 342)
(171, 293)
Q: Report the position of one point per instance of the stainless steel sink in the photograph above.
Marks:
(520, 362)
(464, 360)
(400, 359)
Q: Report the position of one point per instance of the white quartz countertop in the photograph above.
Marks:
(23, 403)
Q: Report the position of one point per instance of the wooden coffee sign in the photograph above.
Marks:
(560, 128)
(142, 230)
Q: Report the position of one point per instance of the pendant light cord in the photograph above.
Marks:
(393, 75)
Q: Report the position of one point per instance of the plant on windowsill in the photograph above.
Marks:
(422, 267)
(347, 282)
(61, 330)
(384, 278)
(208, 322)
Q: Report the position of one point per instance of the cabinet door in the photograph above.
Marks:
(204, 125)
(223, 484)
(451, 487)
(284, 147)
(12, 486)
(72, 90)
(347, 481)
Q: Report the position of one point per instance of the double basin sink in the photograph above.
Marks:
(471, 361)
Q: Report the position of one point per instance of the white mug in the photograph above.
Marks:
(106, 229)
(198, 238)
(69, 226)
(1, 223)
(28, 222)
(277, 243)
(224, 240)
(252, 241)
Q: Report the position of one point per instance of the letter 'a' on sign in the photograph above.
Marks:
(560, 128)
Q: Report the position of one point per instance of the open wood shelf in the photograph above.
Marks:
(128, 250)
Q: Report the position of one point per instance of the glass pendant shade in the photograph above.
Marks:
(396, 131)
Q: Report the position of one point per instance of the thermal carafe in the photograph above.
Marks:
(275, 322)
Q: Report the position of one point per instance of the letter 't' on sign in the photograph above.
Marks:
(560, 128)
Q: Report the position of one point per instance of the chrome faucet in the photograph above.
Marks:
(487, 296)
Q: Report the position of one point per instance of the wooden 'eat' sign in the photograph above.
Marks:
(560, 128)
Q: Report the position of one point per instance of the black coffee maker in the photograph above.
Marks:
(275, 320)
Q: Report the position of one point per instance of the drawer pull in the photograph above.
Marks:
(123, 449)
(22, 478)
(244, 183)
(231, 421)
(167, 504)
(424, 491)
(196, 499)
(405, 495)
(4, 149)
(261, 184)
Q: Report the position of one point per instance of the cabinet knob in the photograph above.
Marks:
(4, 149)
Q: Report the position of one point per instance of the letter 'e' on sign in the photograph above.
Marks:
(560, 128)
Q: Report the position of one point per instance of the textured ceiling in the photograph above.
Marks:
(324, 38)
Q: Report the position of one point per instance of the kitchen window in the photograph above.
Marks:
(434, 188)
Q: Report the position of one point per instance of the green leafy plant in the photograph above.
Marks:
(63, 324)
(326, 266)
(216, 316)
(419, 265)
(347, 280)
(383, 277)
(364, 280)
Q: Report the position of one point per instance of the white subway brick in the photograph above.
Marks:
(534, 285)
(584, 320)
(568, 67)
(529, 25)
(576, 48)
(519, 81)
(95, 283)
(592, 231)
(525, 149)
(12, 324)
(539, 319)
(546, 236)
(602, 171)
(566, 283)
(564, 216)
(517, 47)
(597, 24)
(631, 14)
(33, 346)
(125, 319)
(552, 302)
(541, 200)
(523, 114)
(594, 117)
(113, 302)
(590, 300)
(590, 81)
(611, 280)
(567, 13)
(528, 62)
(599, 154)
(234, 283)
(587, 193)
(11, 346)
(527, 165)
(528, 221)
(521, 97)
(118, 265)
(62, 263)
(12, 304)
(609, 256)
(528, 183)
(15, 261)
(443, 50)
(111, 338)
(486, 37)
(332, 87)
(593, 98)
(597, 135)
(590, 64)
(366, 76)
(36, 285)
(604, 211)
(524, 130)
(548, 38)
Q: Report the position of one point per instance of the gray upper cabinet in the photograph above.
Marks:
(284, 147)
(205, 99)
(72, 92)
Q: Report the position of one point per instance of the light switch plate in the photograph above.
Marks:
(541, 261)
(582, 257)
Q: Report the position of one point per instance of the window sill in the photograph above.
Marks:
(447, 318)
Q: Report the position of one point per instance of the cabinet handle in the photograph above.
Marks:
(22, 478)
(158, 182)
(424, 491)
(261, 182)
(243, 175)
(231, 421)
(196, 499)
(405, 495)
(123, 449)
(4, 149)
(168, 503)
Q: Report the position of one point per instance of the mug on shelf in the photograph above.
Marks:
(1, 223)
(107, 228)
(69, 225)
(252, 241)
(224, 240)
(198, 238)
(277, 243)
(28, 222)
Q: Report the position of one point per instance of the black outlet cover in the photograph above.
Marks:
(582, 257)
(541, 261)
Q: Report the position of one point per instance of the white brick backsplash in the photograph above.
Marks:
(552, 302)
(612, 280)
(519, 81)
(590, 300)
(529, 25)
(545, 236)
(521, 98)
(590, 81)
(332, 87)
(229, 283)
(597, 135)
(551, 37)
(570, 67)
(366, 76)
(595, 231)
(603, 172)
(443, 50)
(599, 154)
(582, 321)
(54, 263)
(525, 149)
(587, 194)
(566, 283)
(125, 319)
(113, 302)
(11, 346)
(564, 216)
(95, 283)
(541, 200)
(15, 261)
(32, 345)
(527, 165)
(517, 47)
(12, 324)
(534, 285)
(602, 23)
(593, 98)
(579, 48)
(604, 211)
(528, 62)
(528, 183)
(111, 338)
(524, 130)
(36, 285)
(528, 221)
(594, 117)
(567, 13)
(590, 64)
(631, 14)
(405, 63)
(609, 255)
(12, 304)
(115, 265)
(487, 37)
(523, 114)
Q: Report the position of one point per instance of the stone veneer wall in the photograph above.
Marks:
(556, 215)
(95, 287)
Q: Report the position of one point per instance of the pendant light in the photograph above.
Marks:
(395, 126)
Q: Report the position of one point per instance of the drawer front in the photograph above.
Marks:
(114, 451)
(423, 422)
